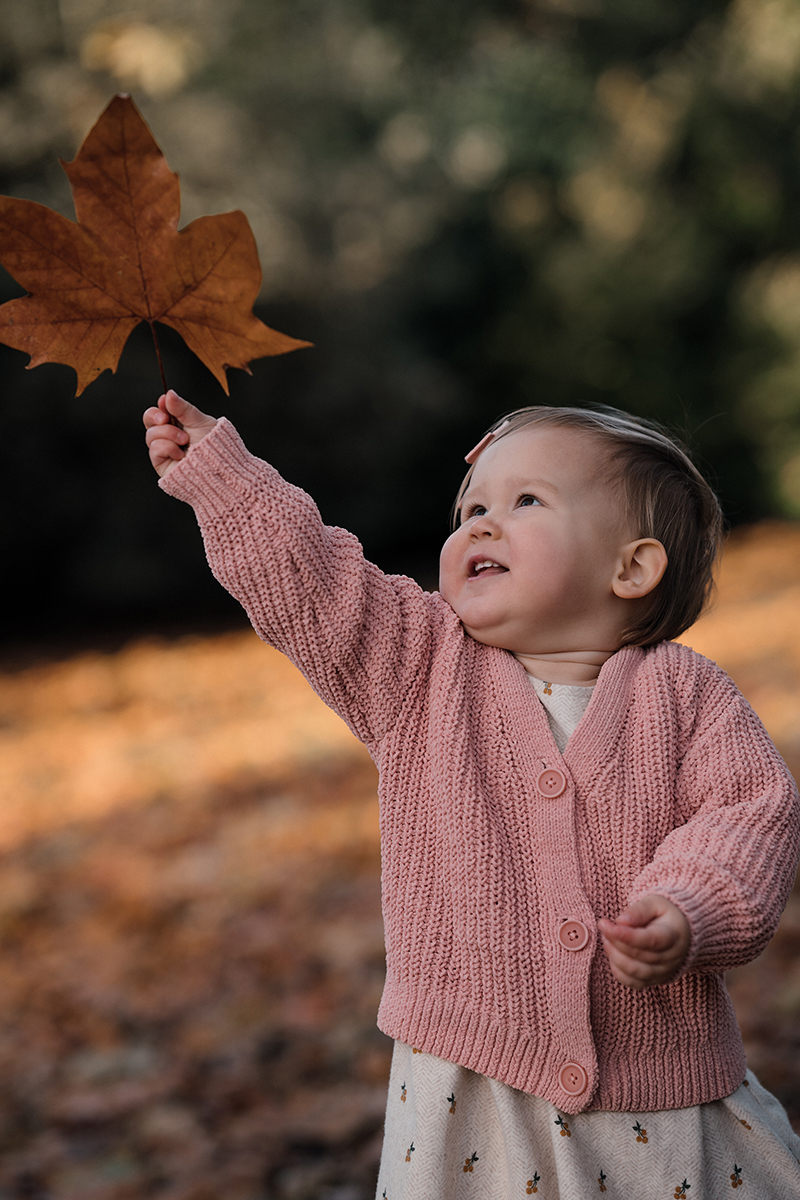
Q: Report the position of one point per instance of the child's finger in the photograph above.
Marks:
(154, 416)
(673, 953)
(654, 937)
(628, 979)
(165, 450)
(637, 974)
(175, 406)
(643, 911)
(165, 433)
(634, 953)
(627, 970)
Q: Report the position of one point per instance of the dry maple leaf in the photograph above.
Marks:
(124, 261)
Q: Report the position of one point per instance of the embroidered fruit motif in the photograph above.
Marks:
(745, 1123)
(451, 1099)
(469, 1164)
(414, 1051)
(681, 1190)
(532, 1185)
(403, 1092)
(736, 1177)
(746, 1082)
(565, 1130)
(548, 691)
(641, 1134)
(409, 1152)
(602, 1181)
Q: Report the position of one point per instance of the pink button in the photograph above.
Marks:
(573, 1079)
(551, 782)
(573, 935)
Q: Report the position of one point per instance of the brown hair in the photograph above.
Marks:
(666, 497)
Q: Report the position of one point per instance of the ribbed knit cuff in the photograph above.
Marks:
(217, 474)
(708, 914)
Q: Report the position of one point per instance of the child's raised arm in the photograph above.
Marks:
(362, 638)
(167, 442)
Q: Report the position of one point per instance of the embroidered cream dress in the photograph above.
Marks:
(451, 1133)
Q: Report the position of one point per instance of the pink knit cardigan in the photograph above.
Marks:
(673, 787)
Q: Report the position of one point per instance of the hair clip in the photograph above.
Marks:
(483, 443)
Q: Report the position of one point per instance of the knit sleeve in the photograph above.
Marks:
(360, 637)
(731, 865)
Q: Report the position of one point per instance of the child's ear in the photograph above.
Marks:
(640, 569)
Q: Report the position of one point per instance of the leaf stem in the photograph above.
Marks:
(152, 325)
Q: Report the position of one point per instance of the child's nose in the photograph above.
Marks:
(484, 527)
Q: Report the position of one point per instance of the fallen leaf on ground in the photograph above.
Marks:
(92, 282)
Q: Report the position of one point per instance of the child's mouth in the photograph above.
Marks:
(485, 566)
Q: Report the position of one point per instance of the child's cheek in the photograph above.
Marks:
(448, 565)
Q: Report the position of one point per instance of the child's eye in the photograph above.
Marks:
(526, 501)
(474, 510)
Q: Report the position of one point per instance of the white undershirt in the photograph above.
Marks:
(564, 704)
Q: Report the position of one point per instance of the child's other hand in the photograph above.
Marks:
(648, 942)
(167, 442)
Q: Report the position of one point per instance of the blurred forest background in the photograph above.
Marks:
(467, 205)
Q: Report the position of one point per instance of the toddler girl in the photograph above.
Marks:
(583, 823)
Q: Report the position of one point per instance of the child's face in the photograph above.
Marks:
(538, 506)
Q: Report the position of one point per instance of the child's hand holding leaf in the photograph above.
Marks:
(173, 427)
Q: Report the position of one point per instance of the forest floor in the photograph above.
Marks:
(190, 937)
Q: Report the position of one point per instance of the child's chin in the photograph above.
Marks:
(487, 637)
